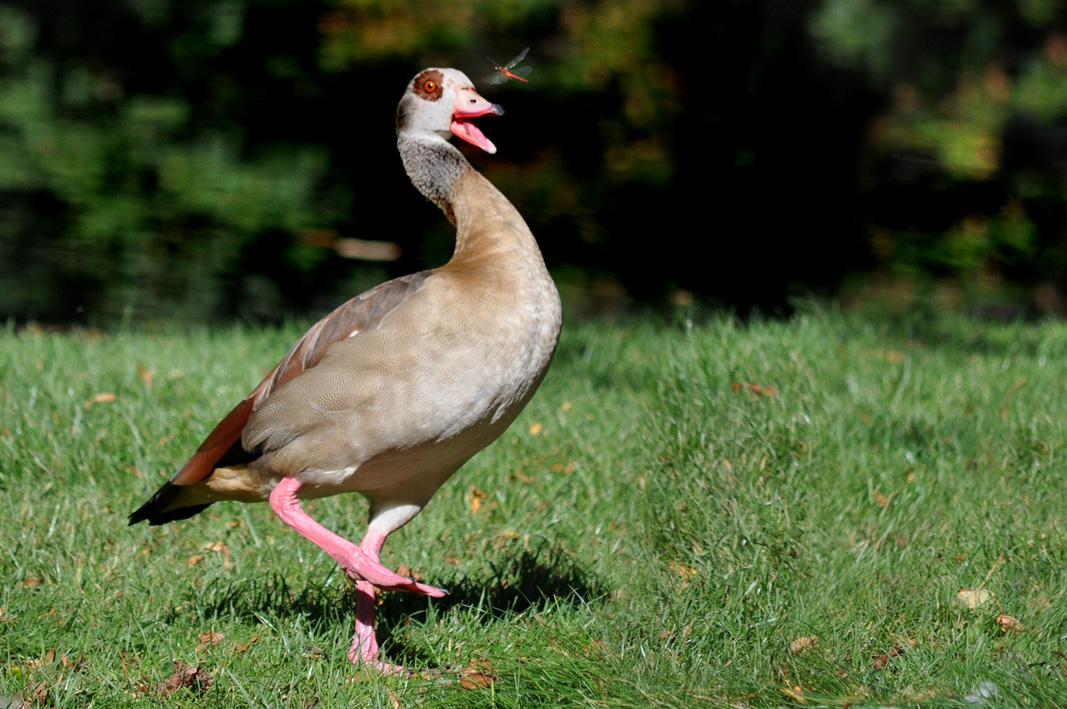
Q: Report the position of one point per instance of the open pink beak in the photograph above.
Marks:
(469, 104)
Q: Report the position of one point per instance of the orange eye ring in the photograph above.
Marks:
(430, 86)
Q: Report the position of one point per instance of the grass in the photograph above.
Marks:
(674, 509)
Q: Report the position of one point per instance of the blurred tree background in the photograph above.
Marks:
(198, 160)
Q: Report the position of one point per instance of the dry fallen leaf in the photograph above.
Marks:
(195, 678)
(802, 644)
(686, 572)
(405, 571)
(1009, 624)
(74, 665)
(757, 389)
(242, 647)
(208, 639)
(973, 598)
(794, 693)
(194, 560)
(476, 499)
(38, 694)
(902, 644)
(104, 397)
(479, 674)
(882, 660)
(221, 548)
(536, 428)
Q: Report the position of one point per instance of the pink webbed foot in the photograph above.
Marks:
(358, 569)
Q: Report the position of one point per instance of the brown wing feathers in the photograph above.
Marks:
(222, 447)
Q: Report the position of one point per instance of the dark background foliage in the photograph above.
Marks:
(195, 160)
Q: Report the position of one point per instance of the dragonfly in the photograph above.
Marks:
(502, 73)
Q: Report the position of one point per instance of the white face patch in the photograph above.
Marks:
(430, 103)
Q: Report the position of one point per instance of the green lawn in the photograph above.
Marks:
(674, 510)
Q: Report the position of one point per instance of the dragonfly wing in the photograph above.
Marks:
(519, 58)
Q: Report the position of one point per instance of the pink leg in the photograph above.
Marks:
(361, 563)
(364, 643)
(355, 562)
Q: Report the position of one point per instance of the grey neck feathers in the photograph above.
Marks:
(433, 165)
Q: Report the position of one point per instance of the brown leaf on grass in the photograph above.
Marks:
(49, 657)
(881, 661)
(1009, 624)
(243, 647)
(193, 677)
(405, 571)
(794, 693)
(72, 665)
(901, 645)
(683, 571)
(479, 674)
(104, 397)
(473, 680)
(756, 389)
(476, 499)
(38, 694)
(221, 548)
(194, 560)
(208, 639)
(802, 644)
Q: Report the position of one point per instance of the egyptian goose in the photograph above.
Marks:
(393, 391)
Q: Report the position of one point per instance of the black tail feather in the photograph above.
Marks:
(155, 512)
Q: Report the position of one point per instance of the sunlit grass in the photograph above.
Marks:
(676, 506)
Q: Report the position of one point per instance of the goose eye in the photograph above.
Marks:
(430, 86)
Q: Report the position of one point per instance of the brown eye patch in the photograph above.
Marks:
(428, 85)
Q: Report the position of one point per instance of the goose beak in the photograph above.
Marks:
(469, 104)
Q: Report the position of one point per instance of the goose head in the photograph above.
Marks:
(442, 102)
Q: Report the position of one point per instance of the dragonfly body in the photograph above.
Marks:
(503, 72)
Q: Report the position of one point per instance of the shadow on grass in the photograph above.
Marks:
(535, 580)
